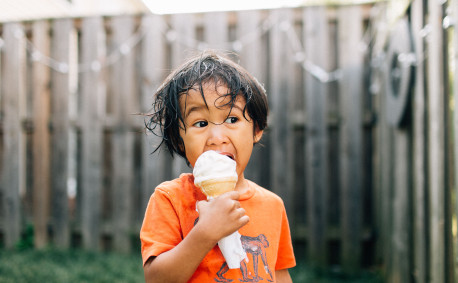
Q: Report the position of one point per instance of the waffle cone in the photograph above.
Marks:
(215, 187)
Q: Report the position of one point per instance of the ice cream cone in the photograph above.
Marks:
(216, 187)
(215, 174)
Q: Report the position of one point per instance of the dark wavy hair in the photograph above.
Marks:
(166, 117)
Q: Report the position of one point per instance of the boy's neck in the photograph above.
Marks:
(244, 188)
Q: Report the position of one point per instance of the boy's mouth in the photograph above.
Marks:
(230, 155)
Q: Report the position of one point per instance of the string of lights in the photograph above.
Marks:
(172, 35)
(237, 45)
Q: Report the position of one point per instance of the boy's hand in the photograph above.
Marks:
(221, 216)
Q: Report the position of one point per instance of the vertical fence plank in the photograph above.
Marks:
(92, 113)
(436, 144)
(253, 59)
(182, 47)
(153, 66)
(316, 169)
(420, 198)
(123, 95)
(455, 113)
(280, 89)
(400, 257)
(2, 199)
(450, 257)
(401, 238)
(41, 136)
(334, 193)
(386, 180)
(380, 169)
(60, 131)
(350, 61)
(385, 149)
(216, 30)
(13, 91)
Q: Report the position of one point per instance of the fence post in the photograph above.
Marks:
(316, 94)
(439, 197)
(123, 99)
(60, 47)
(420, 227)
(12, 164)
(181, 47)
(401, 202)
(41, 137)
(280, 91)
(253, 58)
(455, 112)
(350, 62)
(152, 72)
(401, 238)
(92, 113)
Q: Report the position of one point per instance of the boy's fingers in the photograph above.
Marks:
(235, 195)
(241, 212)
(232, 195)
(236, 204)
(244, 220)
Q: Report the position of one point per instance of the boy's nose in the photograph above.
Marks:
(217, 135)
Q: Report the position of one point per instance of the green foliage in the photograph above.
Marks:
(305, 273)
(51, 265)
(26, 241)
(69, 266)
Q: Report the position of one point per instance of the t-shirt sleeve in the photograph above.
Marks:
(160, 230)
(285, 256)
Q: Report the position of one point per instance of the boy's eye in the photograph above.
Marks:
(231, 120)
(200, 124)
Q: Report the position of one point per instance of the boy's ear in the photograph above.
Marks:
(258, 135)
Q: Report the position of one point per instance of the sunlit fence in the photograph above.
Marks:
(77, 164)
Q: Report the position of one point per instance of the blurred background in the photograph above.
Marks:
(361, 143)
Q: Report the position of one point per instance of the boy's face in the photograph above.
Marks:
(213, 128)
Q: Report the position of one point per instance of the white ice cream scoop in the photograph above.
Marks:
(215, 173)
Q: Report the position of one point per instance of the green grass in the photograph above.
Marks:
(51, 265)
(68, 266)
(305, 273)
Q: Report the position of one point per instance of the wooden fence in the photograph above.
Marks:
(413, 177)
(77, 165)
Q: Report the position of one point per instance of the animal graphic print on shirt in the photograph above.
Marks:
(256, 247)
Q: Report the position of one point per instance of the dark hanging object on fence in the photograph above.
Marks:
(399, 73)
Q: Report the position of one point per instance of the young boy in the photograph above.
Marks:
(211, 103)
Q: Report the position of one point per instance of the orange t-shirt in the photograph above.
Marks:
(171, 214)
